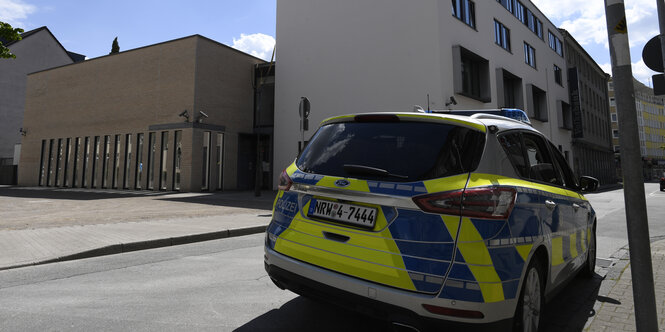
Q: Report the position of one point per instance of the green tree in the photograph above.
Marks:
(115, 48)
(8, 35)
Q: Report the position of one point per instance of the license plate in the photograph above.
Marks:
(342, 212)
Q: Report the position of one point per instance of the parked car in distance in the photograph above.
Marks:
(470, 217)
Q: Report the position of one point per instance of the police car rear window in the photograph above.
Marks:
(392, 151)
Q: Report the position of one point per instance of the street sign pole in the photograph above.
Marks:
(646, 318)
(660, 5)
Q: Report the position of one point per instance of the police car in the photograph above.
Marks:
(414, 217)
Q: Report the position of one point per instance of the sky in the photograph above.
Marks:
(89, 26)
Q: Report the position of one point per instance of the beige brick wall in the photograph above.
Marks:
(127, 93)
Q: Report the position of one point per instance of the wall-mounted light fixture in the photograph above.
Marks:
(22, 131)
(202, 115)
(185, 115)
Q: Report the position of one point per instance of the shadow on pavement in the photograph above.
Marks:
(74, 194)
(573, 307)
(568, 311)
(245, 200)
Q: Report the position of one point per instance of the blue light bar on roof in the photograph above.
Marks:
(516, 114)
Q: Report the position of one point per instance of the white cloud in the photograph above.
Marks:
(15, 11)
(585, 20)
(258, 45)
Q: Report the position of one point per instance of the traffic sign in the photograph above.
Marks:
(652, 54)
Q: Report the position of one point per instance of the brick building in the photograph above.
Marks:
(170, 116)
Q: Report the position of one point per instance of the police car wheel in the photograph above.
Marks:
(588, 271)
(531, 302)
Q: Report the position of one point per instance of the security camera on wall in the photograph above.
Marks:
(185, 115)
(202, 115)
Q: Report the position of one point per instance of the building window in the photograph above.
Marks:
(116, 162)
(529, 55)
(65, 176)
(502, 35)
(42, 164)
(613, 102)
(126, 178)
(220, 161)
(152, 150)
(49, 174)
(537, 103)
(75, 171)
(614, 118)
(95, 161)
(177, 159)
(555, 43)
(465, 10)
(471, 76)
(58, 162)
(86, 162)
(509, 87)
(163, 179)
(508, 4)
(610, 86)
(558, 75)
(107, 158)
(519, 12)
(139, 161)
(615, 133)
(205, 162)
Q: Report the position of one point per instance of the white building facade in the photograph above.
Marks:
(389, 55)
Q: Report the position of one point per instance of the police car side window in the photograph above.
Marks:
(541, 165)
(512, 144)
(570, 181)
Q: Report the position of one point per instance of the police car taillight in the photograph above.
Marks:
(486, 203)
(284, 183)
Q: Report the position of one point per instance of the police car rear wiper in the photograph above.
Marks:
(367, 170)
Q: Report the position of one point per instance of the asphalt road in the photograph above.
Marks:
(209, 286)
(222, 286)
(610, 209)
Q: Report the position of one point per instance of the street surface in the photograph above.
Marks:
(610, 210)
(221, 285)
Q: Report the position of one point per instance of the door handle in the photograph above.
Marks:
(550, 204)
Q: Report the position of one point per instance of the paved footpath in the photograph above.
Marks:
(614, 309)
(39, 225)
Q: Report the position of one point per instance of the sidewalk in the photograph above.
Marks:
(39, 225)
(614, 309)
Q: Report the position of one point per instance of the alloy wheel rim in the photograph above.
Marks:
(532, 301)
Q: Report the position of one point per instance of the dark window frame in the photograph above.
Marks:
(558, 75)
(530, 55)
(465, 11)
(502, 35)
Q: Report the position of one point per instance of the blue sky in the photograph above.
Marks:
(88, 27)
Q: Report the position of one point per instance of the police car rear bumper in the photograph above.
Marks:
(373, 299)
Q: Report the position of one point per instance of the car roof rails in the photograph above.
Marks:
(514, 114)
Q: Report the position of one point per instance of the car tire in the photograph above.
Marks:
(589, 269)
(531, 302)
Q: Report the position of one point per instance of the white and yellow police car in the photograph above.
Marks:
(415, 217)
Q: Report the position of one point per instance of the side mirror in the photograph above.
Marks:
(588, 183)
